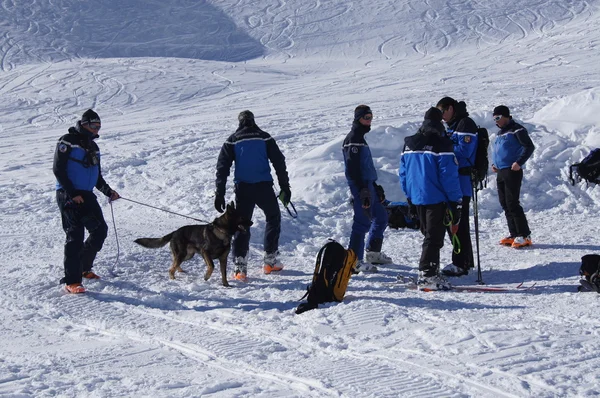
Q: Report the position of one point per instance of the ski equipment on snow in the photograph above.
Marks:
(590, 271)
(588, 169)
(332, 273)
(410, 283)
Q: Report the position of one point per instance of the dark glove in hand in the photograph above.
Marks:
(365, 198)
(285, 196)
(380, 192)
(412, 210)
(220, 203)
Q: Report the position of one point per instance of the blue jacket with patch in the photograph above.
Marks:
(512, 144)
(358, 162)
(462, 130)
(251, 149)
(428, 167)
(77, 163)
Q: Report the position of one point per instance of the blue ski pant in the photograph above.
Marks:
(372, 221)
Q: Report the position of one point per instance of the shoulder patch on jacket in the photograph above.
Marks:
(62, 148)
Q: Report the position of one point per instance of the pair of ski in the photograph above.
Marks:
(410, 282)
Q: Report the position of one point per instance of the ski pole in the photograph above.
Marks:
(476, 219)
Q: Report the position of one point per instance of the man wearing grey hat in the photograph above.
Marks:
(77, 170)
(251, 149)
(511, 150)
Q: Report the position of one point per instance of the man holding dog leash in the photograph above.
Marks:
(77, 170)
(251, 149)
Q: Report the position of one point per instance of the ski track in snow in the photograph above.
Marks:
(168, 79)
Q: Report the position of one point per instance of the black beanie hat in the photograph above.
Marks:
(245, 115)
(433, 114)
(361, 110)
(501, 110)
(446, 102)
(90, 116)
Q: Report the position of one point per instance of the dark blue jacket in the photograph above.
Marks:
(463, 133)
(428, 167)
(77, 163)
(251, 149)
(512, 144)
(358, 162)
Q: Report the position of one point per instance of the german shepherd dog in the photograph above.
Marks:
(211, 241)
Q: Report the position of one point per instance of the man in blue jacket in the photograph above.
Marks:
(462, 130)
(251, 149)
(511, 150)
(429, 178)
(77, 170)
(369, 213)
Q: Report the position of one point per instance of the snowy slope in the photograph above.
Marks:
(168, 79)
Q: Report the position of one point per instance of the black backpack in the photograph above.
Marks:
(399, 216)
(588, 169)
(332, 273)
(479, 170)
(590, 271)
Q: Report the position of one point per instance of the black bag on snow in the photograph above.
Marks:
(588, 169)
(332, 273)
(590, 271)
(399, 216)
(479, 171)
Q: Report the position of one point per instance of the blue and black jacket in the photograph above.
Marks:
(462, 130)
(359, 168)
(512, 144)
(428, 167)
(77, 163)
(251, 149)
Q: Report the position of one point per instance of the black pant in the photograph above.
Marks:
(76, 218)
(464, 258)
(434, 231)
(509, 190)
(260, 194)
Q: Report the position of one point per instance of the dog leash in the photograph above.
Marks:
(287, 206)
(165, 210)
(114, 271)
(293, 215)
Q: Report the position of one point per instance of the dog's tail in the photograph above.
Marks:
(153, 243)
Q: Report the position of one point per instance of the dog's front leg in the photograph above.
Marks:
(223, 264)
(210, 266)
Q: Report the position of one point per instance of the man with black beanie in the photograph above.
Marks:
(251, 149)
(429, 178)
(369, 213)
(511, 150)
(462, 131)
(77, 170)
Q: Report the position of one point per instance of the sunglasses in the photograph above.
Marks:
(368, 117)
(94, 126)
(496, 118)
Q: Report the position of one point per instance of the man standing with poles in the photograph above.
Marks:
(462, 130)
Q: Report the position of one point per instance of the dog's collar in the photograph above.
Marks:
(221, 230)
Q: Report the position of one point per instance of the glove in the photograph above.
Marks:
(220, 202)
(456, 212)
(365, 198)
(412, 210)
(380, 192)
(114, 195)
(285, 195)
